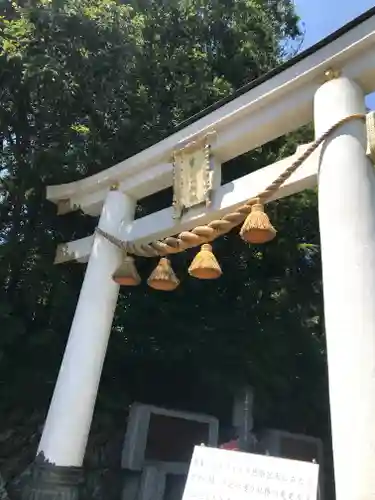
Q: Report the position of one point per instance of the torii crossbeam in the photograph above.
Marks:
(295, 94)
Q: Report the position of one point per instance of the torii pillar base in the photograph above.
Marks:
(53, 482)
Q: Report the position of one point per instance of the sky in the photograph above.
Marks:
(322, 17)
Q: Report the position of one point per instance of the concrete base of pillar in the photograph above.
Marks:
(52, 482)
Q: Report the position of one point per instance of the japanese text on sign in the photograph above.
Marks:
(217, 474)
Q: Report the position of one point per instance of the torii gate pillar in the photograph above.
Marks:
(63, 443)
(347, 229)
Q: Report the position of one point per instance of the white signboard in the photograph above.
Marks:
(217, 474)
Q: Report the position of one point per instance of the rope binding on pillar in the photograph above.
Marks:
(256, 226)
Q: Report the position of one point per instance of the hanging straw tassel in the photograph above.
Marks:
(126, 274)
(257, 227)
(163, 276)
(205, 266)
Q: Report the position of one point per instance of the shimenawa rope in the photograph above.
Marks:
(218, 227)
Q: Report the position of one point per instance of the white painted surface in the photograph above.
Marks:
(347, 228)
(275, 107)
(217, 474)
(78, 250)
(69, 418)
(161, 224)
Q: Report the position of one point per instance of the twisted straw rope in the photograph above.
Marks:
(218, 227)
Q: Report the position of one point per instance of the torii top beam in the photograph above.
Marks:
(267, 108)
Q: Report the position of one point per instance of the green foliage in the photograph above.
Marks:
(84, 84)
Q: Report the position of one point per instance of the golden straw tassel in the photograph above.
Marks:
(126, 274)
(205, 265)
(163, 276)
(257, 227)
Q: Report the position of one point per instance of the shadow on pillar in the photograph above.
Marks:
(53, 482)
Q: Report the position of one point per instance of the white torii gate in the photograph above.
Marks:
(282, 102)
